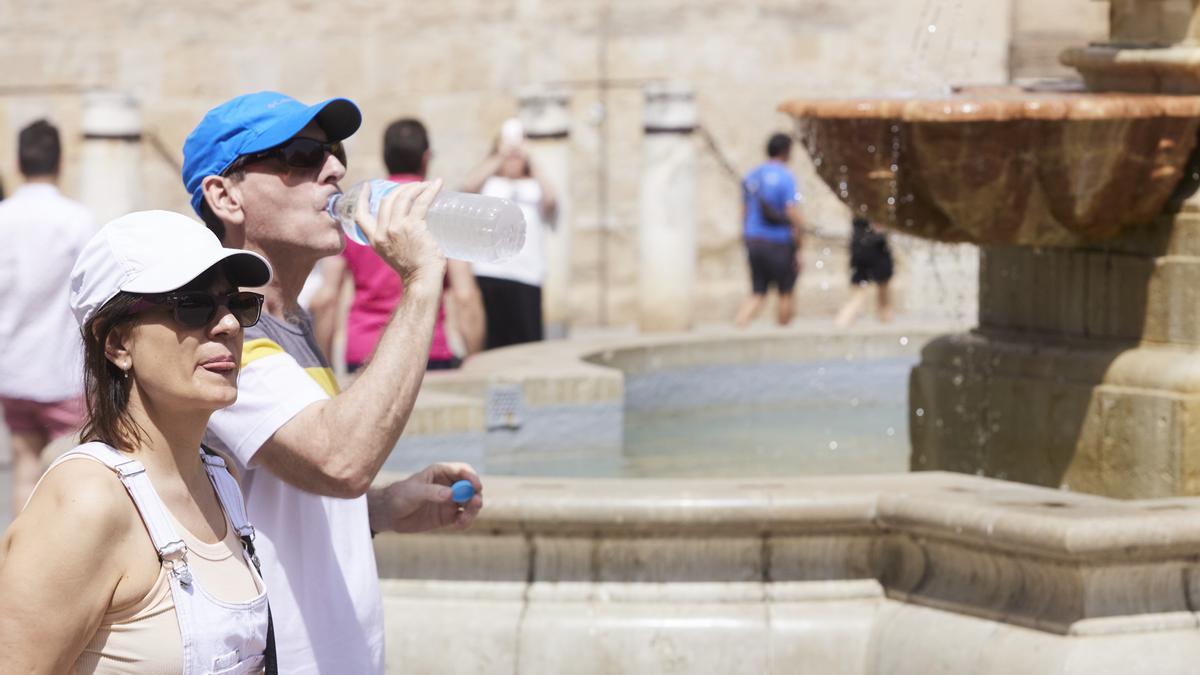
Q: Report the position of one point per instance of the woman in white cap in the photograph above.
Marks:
(140, 559)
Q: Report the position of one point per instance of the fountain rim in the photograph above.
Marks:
(998, 105)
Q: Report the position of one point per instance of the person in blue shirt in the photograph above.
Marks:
(772, 231)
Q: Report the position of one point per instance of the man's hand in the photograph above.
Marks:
(799, 259)
(400, 235)
(423, 502)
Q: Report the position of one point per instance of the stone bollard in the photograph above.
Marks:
(667, 227)
(545, 114)
(111, 170)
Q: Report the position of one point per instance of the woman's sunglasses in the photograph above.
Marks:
(299, 153)
(196, 309)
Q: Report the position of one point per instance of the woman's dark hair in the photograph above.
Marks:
(105, 386)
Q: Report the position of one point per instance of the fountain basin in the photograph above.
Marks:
(1003, 165)
(802, 401)
(863, 575)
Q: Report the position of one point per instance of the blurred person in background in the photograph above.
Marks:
(512, 288)
(772, 232)
(140, 559)
(260, 169)
(378, 288)
(870, 263)
(40, 349)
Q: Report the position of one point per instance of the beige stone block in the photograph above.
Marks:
(452, 627)
(564, 558)
(849, 555)
(910, 639)
(474, 556)
(1131, 653)
(1172, 314)
(831, 638)
(603, 637)
(1123, 425)
(1095, 419)
(1182, 232)
(913, 639)
(1158, 22)
(683, 559)
(442, 413)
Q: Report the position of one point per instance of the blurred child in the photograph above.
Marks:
(870, 263)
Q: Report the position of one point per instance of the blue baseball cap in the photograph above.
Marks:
(252, 123)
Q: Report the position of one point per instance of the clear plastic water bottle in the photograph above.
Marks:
(470, 227)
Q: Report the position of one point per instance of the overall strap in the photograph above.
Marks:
(230, 496)
(229, 493)
(172, 552)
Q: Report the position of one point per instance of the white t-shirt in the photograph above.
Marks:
(528, 266)
(317, 558)
(41, 353)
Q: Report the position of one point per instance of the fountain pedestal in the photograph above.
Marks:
(1084, 371)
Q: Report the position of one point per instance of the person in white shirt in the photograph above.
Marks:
(261, 168)
(512, 288)
(41, 359)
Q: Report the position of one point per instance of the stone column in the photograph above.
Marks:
(545, 115)
(667, 227)
(111, 167)
(1084, 371)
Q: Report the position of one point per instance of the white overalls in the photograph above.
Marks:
(219, 638)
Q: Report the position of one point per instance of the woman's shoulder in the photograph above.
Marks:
(81, 494)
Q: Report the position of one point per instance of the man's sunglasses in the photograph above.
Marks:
(299, 153)
(197, 309)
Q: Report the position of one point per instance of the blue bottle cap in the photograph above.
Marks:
(462, 491)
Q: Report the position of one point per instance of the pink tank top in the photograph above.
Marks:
(377, 291)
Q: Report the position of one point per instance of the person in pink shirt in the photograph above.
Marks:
(377, 287)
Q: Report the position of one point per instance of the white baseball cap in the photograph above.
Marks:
(153, 252)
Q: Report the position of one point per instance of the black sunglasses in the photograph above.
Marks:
(196, 309)
(299, 152)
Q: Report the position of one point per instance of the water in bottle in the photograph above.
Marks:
(470, 227)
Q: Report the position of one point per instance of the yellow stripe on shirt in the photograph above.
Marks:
(324, 377)
(259, 348)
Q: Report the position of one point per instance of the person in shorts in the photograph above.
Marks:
(40, 349)
(772, 232)
(870, 263)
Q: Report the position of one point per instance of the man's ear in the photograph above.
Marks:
(116, 348)
(224, 198)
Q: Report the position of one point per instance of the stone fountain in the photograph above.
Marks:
(1084, 370)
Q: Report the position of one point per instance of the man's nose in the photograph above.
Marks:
(333, 170)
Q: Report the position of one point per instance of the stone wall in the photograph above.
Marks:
(458, 64)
